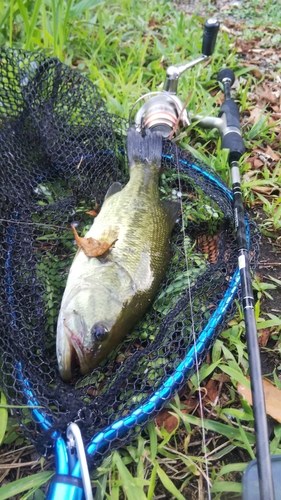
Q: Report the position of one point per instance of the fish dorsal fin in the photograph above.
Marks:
(172, 209)
(114, 188)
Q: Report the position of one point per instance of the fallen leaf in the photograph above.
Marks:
(268, 152)
(266, 94)
(219, 98)
(93, 213)
(249, 176)
(264, 335)
(263, 190)
(256, 73)
(272, 397)
(212, 390)
(226, 7)
(190, 404)
(276, 115)
(258, 163)
(167, 420)
(152, 22)
(222, 377)
(255, 115)
(92, 247)
(255, 162)
(272, 154)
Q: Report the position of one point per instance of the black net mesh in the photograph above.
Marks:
(60, 151)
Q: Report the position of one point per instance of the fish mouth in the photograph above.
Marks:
(78, 352)
(67, 358)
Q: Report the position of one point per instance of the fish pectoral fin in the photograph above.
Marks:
(92, 247)
(172, 209)
(113, 189)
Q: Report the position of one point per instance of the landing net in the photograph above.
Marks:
(60, 152)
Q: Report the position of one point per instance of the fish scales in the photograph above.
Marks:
(105, 296)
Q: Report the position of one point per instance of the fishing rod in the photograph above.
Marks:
(164, 112)
(232, 140)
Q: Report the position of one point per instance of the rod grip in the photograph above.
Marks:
(231, 111)
(211, 28)
(232, 139)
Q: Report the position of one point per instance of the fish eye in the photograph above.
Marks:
(99, 332)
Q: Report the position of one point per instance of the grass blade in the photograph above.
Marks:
(3, 417)
(228, 486)
(152, 440)
(131, 485)
(235, 375)
(31, 482)
(80, 7)
(168, 484)
(152, 484)
(32, 24)
(24, 15)
(269, 323)
(225, 430)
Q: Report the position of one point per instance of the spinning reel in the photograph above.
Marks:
(164, 111)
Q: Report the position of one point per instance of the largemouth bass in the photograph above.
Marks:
(120, 263)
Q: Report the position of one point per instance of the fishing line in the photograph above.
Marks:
(39, 224)
(193, 327)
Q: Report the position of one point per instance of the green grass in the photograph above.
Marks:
(124, 47)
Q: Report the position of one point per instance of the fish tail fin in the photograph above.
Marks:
(145, 149)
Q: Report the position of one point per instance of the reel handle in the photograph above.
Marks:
(210, 31)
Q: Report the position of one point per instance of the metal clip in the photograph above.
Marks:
(74, 439)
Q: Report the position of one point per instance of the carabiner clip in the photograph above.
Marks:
(74, 441)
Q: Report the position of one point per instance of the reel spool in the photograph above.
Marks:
(161, 113)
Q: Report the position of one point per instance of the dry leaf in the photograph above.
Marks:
(264, 335)
(266, 94)
(257, 164)
(263, 190)
(272, 398)
(152, 22)
(93, 213)
(167, 420)
(255, 115)
(272, 154)
(268, 152)
(256, 73)
(249, 176)
(212, 390)
(190, 404)
(92, 247)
